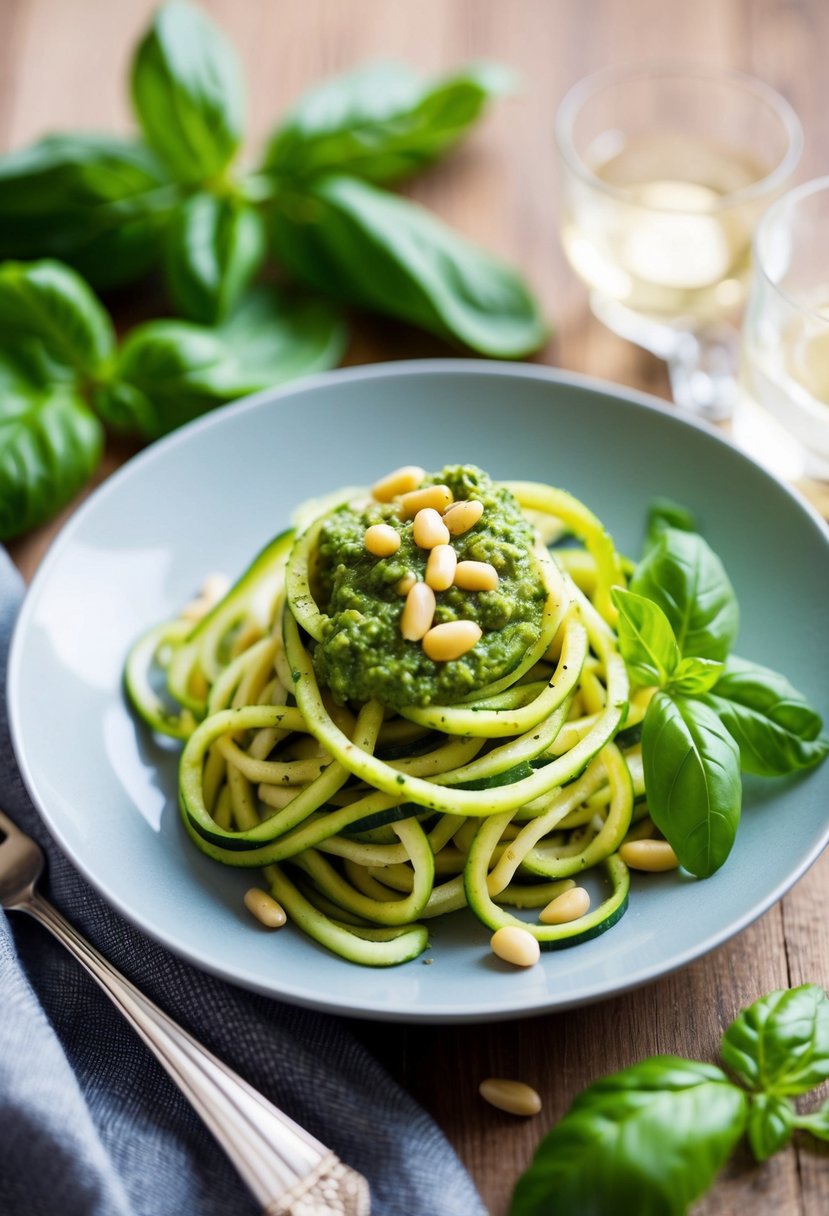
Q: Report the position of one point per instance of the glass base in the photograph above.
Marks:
(767, 441)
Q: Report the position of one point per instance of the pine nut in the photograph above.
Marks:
(450, 641)
(382, 540)
(514, 1097)
(429, 529)
(436, 497)
(652, 855)
(463, 515)
(406, 583)
(476, 576)
(566, 907)
(440, 568)
(515, 945)
(401, 481)
(418, 612)
(265, 908)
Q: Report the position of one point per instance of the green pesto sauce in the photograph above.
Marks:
(362, 655)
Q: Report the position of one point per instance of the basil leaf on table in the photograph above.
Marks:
(780, 1044)
(279, 335)
(684, 576)
(776, 729)
(50, 442)
(646, 639)
(50, 302)
(770, 1125)
(95, 201)
(692, 778)
(214, 248)
(648, 1140)
(188, 93)
(381, 122)
(363, 246)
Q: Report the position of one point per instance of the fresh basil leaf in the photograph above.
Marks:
(684, 576)
(94, 201)
(277, 335)
(214, 248)
(646, 639)
(188, 93)
(692, 781)
(50, 302)
(50, 442)
(776, 729)
(780, 1044)
(816, 1123)
(381, 122)
(665, 513)
(648, 1140)
(694, 676)
(770, 1124)
(384, 253)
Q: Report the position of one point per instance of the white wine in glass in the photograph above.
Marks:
(665, 174)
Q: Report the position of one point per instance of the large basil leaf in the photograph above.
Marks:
(776, 729)
(214, 248)
(770, 1125)
(665, 513)
(816, 1123)
(188, 93)
(684, 576)
(94, 201)
(170, 372)
(384, 253)
(648, 1140)
(50, 302)
(646, 639)
(381, 122)
(780, 1044)
(692, 780)
(50, 442)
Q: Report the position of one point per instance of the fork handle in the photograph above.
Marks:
(288, 1171)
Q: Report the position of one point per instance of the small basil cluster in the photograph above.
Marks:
(713, 714)
(651, 1138)
(115, 209)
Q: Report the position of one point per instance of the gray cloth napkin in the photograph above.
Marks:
(89, 1123)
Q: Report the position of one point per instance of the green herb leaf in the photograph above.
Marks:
(692, 780)
(94, 201)
(694, 676)
(384, 253)
(381, 122)
(817, 1123)
(684, 576)
(780, 1044)
(646, 639)
(188, 93)
(770, 1124)
(776, 729)
(278, 335)
(50, 302)
(214, 248)
(649, 1140)
(50, 442)
(665, 513)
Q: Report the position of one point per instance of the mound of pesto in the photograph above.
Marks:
(362, 655)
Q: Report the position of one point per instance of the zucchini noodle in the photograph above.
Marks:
(369, 820)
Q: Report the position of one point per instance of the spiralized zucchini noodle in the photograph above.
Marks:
(370, 819)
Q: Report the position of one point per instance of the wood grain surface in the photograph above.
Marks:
(63, 65)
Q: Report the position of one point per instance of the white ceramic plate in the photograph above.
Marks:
(209, 496)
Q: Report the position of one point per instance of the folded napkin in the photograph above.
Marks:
(89, 1123)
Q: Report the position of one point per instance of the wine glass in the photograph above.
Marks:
(782, 414)
(665, 174)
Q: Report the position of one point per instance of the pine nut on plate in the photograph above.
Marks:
(436, 497)
(651, 855)
(429, 529)
(400, 481)
(265, 908)
(418, 612)
(382, 540)
(463, 515)
(476, 576)
(515, 945)
(514, 1097)
(566, 907)
(440, 568)
(451, 640)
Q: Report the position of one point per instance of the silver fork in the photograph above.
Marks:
(289, 1172)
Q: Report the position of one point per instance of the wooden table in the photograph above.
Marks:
(63, 65)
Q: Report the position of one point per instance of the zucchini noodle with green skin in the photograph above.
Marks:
(486, 781)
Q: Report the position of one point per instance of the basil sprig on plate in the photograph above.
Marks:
(712, 714)
(652, 1138)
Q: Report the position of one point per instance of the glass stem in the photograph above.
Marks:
(703, 371)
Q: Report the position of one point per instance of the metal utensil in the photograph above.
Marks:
(289, 1172)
